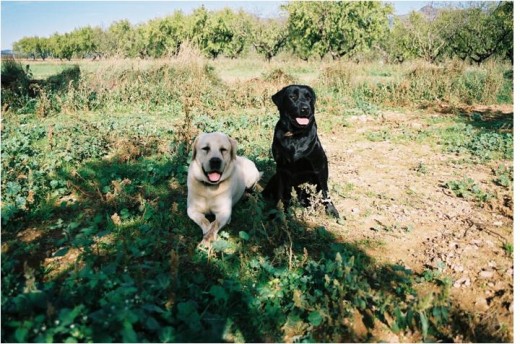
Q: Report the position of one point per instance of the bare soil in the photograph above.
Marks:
(398, 208)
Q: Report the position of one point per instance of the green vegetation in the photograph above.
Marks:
(116, 256)
(508, 247)
(97, 245)
(504, 176)
(467, 188)
(483, 145)
(358, 31)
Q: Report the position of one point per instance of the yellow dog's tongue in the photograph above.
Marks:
(214, 176)
(302, 120)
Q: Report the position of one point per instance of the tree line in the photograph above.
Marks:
(343, 29)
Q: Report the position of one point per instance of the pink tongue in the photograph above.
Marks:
(214, 176)
(302, 120)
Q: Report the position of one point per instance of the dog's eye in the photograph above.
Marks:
(308, 96)
(205, 149)
(223, 150)
(293, 96)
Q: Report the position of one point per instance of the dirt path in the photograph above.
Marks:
(397, 206)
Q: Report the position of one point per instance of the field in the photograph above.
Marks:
(97, 246)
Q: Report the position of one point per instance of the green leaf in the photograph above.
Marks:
(220, 245)
(167, 334)
(424, 324)
(315, 318)
(243, 235)
(219, 293)
(152, 324)
(128, 333)
(188, 314)
(21, 334)
(67, 316)
(61, 252)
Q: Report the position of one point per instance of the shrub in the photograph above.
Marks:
(16, 81)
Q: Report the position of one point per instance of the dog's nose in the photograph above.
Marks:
(214, 163)
(304, 110)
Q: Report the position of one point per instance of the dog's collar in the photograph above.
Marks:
(291, 133)
(296, 131)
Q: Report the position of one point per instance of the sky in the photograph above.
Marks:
(44, 18)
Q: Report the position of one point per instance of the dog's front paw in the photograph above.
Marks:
(331, 210)
(210, 235)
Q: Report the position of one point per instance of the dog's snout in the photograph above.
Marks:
(304, 110)
(214, 163)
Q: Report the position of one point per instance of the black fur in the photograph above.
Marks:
(297, 150)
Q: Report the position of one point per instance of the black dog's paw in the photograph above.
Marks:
(330, 209)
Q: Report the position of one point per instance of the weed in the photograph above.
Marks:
(483, 145)
(100, 176)
(468, 189)
(508, 248)
(395, 227)
(421, 168)
(264, 281)
(504, 176)
(379, 136)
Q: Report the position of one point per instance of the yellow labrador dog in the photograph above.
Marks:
(217, 179)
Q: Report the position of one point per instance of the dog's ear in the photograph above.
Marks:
(313, 94)
(194, 148)
(278, 97)
(234, 148)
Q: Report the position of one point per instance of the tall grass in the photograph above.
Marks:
(170, 86)
(419, 83)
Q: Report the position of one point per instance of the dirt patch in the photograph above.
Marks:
(28, 235)
(398, 207)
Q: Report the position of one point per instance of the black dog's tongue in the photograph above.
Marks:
(302, 120)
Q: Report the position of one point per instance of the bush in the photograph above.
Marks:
(16, 81)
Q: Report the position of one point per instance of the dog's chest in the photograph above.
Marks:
(214, 198)
(298, 151)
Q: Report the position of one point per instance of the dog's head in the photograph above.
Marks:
(214, 153)
(296, 104)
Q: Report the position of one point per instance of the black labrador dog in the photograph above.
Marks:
(297, 150)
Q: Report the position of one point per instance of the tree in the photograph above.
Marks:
(164, 36)
(196, 27)
(120, 38)
(355, 26)
(241, 27)
(33, 47)
(479, 32)
(42, 47)
(306, 35)
(269, 37)
(340, 28)
(422, 37)
(85, 41)
(220, 32)
(62, 46)
(398, 43)
(101, 47)
(26, 46)
(503, 20)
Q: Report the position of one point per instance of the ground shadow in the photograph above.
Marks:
(61, 82)
(139, 274)
(19, 80)
(484, 117)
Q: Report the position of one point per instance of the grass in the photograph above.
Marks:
(96, 242)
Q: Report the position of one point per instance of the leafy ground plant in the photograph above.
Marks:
(469, 189)
(99, 249)
(97, 245)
